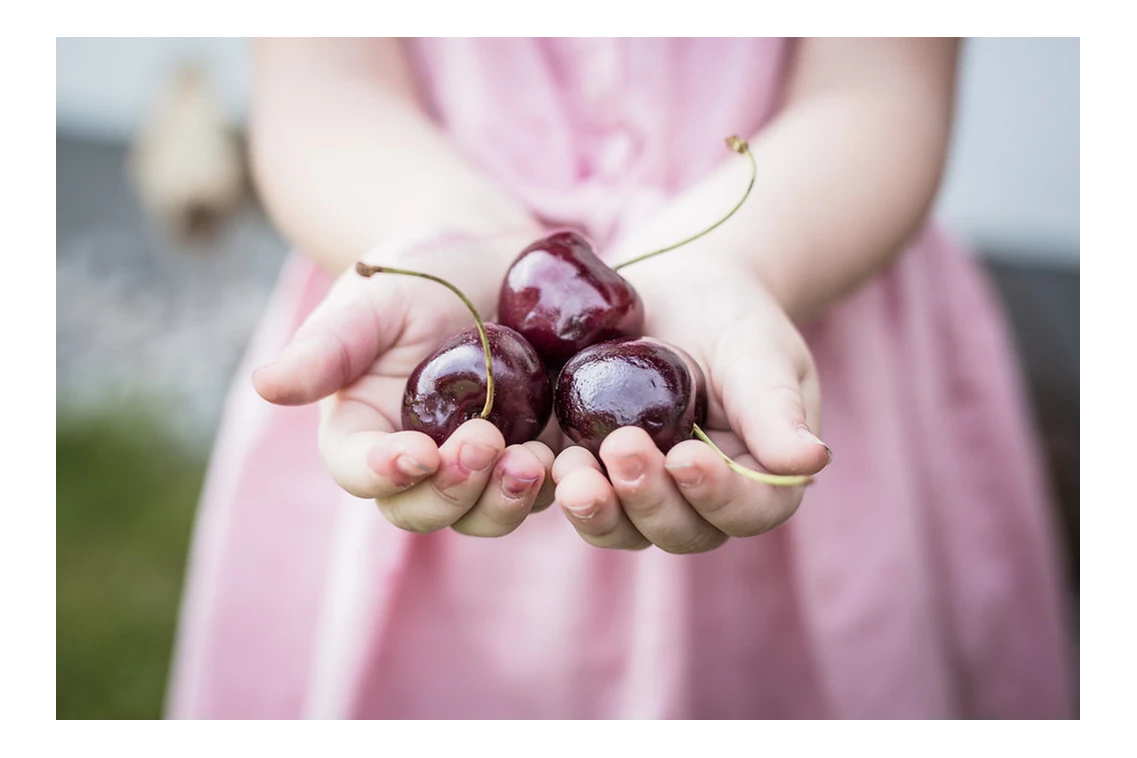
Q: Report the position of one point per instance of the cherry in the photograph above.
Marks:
(448, 387)
(489, 372)
(630, 382)
(562, 297)
(640, 382)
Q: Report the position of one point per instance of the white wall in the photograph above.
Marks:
(1012, 183)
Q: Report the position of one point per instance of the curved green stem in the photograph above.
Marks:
(738, 145)
(776, 480)
(364, 269)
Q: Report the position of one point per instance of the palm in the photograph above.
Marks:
(735, 338)
(434, 317)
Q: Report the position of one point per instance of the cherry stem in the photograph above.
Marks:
(364, 269)
(776, 480)
(738, 145)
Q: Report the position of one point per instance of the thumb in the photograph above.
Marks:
(775, 412)
(341, 338)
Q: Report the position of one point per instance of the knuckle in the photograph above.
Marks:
(457, 496)
(638, 500)
(486, 525)
(511, 513)
(615, 537)
(639, 543)
(421, 523)
(621, 542)
(700, 542)
(760, 520)
(478, 527)
(501, 519)
(710, 504)
(752, 524)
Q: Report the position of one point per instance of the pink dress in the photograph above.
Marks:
(919, 579)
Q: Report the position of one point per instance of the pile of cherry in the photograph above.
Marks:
(569, 341)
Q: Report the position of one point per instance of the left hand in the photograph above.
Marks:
(763, 410)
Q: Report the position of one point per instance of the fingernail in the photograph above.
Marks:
(513, 486)
(685, 474)
(408, 466)
(803, 430)
(629, 469)
(582, 511)
(475, 457)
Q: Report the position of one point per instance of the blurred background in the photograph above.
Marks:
(159, 284)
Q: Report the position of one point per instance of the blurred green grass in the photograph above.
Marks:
(126, 496)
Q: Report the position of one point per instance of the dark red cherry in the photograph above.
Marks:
(449, 387)
(562, 298)
(630, 382)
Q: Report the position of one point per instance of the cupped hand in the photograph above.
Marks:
(353, 356)
(764, 412)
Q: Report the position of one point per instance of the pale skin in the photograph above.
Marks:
(847, 172)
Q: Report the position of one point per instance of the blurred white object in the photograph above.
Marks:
(186, 163)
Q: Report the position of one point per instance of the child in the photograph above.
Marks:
(919, 576)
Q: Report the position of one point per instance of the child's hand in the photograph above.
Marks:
(354, 354)
(763, 401)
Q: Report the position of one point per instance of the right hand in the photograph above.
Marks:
(353, 356)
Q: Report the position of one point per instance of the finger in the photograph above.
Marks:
(466, 462)
(574, 458)
(363, 453)
(767, 405)
(336, 344)
(650, 497)
(509, 496)
(733, 504)
(591, 506)
(547, 492)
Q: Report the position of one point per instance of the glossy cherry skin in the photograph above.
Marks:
(562, 298)
(449, 387)
(630, 382)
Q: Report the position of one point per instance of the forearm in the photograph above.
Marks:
(846, 174)
(345, 158)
